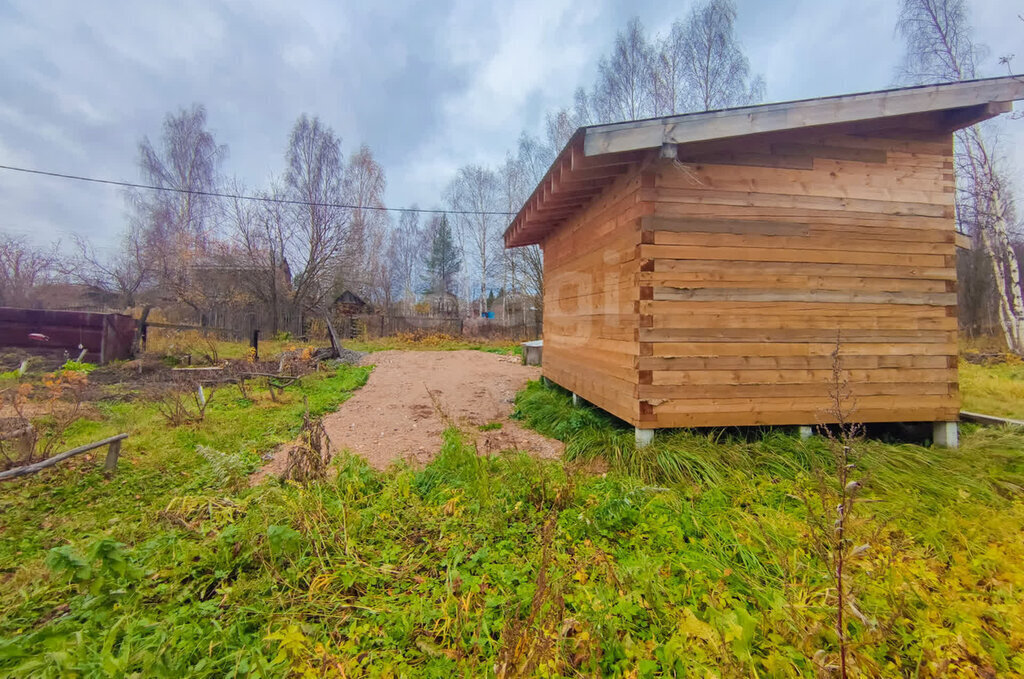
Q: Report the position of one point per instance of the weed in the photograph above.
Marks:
(78, 366)
(186, 403)
(308, 458)
(490, 426)
(31, 436)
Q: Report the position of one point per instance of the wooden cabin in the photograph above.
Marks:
(697, 268)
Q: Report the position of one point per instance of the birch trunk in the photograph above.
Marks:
(990, 219)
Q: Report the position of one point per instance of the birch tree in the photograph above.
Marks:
(625, 88)
(315, 176)
(710, 68)
(180, 222)
(940, 48)
(368, 222)
(408, 238)
(475, 189)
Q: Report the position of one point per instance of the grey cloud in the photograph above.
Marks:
(429, 86)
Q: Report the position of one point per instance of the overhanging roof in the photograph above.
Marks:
(596, 156)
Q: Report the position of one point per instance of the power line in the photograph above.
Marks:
(258, 199)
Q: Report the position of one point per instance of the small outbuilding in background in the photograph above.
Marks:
(697, 268)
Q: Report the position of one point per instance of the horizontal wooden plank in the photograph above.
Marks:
(833, 323)
(819, 390)
(751, 254)
(834, 152)
(820, 362)
(612, 395)
(872, 336)
(822, 376)
(792, 309)
(820, 404)
(750, 278)
(829, 241)
(831, 296)
(884, 186)
(680, 202)
(906, 412)
(740, 267)
(799, 349)
(932, 231)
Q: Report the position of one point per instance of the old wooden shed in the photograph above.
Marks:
(698, 267)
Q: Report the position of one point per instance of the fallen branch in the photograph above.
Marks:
(114, 442)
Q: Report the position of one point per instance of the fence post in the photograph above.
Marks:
(113, 451)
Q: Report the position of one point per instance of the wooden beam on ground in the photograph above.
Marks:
(990, 420)
(111, 460)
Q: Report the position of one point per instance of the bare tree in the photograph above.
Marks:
(368, 225)
(519, 177)
(125, 272)
(261, 237)
(938, 40)
(315, 175)
(625, 88)
(711, 70)
(408, 255)
(939, 47)
(23, 266)
(382, 264)
(475, 189)
(561, 125)
(673, 95)
(178, 223)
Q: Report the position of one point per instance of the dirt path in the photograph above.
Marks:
(396, 415)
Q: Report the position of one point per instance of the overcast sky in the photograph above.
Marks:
(429, 86)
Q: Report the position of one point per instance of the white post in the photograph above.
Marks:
(644, 437)
(806, 432)
(946, 434)
(575, 399)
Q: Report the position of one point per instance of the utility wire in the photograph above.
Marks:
(259, 199)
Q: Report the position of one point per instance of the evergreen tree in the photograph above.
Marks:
(443, 262)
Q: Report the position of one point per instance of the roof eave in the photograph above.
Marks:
(688, 128)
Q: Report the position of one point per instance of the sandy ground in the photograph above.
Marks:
(402, 410)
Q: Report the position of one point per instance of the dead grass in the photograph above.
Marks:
(405, 341)
(995, 388)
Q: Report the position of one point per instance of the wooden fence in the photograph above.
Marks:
(105, 337)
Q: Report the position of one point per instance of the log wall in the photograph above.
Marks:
(709, 292)
(590, 300)
(751, 271)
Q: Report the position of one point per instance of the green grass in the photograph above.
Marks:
(993, 389)
(689, 558)
(157, 461)
(78, 366)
